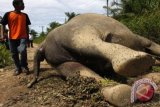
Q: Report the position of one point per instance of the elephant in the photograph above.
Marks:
(97, 42)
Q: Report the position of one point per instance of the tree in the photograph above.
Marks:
(114, 9)
(70, 15)
(130, 8)
(107, 7)
(141, 16)
(138, 7)
(53, 25)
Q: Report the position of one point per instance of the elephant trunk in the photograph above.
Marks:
(38, 57)
(149, 46)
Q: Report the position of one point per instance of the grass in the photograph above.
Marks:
(156, 68)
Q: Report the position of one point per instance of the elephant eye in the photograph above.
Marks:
(113, 38)
(108, 38)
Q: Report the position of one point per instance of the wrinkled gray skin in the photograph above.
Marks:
(59, 46)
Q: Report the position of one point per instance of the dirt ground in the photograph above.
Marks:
(52, 90)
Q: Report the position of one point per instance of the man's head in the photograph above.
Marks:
(18, 4)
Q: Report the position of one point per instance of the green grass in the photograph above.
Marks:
(108, 82)
(156, 68)
(39, 39)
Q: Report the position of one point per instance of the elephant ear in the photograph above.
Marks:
(112, 38)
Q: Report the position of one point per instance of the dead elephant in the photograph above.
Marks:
(91, 39)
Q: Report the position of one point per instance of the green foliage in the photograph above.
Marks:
(125, 8)
(70, 15)
(5, 57)
(107, 82)
(43, 35)
(139, 7)
(39, 39)
(52, 26)
(156, 68)
(147, 25)
(141, 16)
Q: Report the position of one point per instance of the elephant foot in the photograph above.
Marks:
(118, 95)
(133, 65)
(32, 83)
(155, 77)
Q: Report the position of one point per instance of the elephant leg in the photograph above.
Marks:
(125, 61)
(154, 76)
(118, 95)
(72, 69)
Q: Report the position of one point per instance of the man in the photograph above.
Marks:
(30, 43)
(18, 22)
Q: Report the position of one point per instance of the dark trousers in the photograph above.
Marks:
(30, 43)
(18, 48)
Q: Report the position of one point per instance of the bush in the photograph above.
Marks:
(156, 68)
(39, 39)
(5, 57)
(147, 25)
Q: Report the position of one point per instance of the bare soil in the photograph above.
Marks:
(52, 90)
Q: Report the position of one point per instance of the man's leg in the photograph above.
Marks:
(22, 48)
(28, 44)
(13, 44)
(31, 43)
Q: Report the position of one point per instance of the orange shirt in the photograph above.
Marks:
(17, 23)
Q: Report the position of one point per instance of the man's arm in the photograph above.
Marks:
(28, 22)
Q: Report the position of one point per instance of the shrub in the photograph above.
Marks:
(39, 39)
(147, 25)
(5, 57)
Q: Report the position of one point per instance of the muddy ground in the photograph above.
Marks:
(52, 90)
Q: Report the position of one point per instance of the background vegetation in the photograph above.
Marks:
(141, 16)
(5, 57)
